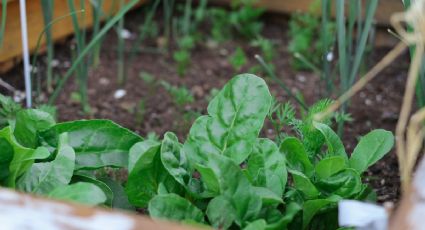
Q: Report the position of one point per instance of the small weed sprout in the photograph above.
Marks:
(238, 59)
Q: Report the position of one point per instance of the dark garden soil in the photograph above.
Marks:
(376, 106)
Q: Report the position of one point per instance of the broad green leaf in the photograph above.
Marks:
(209, 179)
(345, 183)
(174, 207)
(296, 156)
(312, 207)
(267, 196)
(146, 149)
(97, 143)
(370, 149)
(256, 225)
(81, 192)
(302, 183)
(220, 213)
(42, 178)
(235, 118)
(6, 156)
(120, 198)
(28, 123)
(266, 167)
(236, 188)
(23, 157)
(333, 142)
(198, 145)
(174, 159)
(104, 187)
(329, 166)
(146, 172)
(292, 209)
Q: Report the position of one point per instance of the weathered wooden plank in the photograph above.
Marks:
(22, 211)
(383, 14)
(12, 47)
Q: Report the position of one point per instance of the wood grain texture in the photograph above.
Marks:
(12, 47)
(385, 7)
(23, 211)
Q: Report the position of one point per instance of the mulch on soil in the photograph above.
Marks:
(376, 106)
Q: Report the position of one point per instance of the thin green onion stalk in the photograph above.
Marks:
(88, 48)
(3, 21)
(80, 36)
(48, 9)
(327, 56)
(38, 45)
(97, 16)
(420, 86)
(272, 74)
(168, 19)
(143, 30)
(121, 48)
(351, 49)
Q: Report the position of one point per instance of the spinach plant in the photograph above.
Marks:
(226, 176)
(40, 156)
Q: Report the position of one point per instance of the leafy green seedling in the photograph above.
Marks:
(8, 110)
(267, 48)
(180, 95)
(140, 111)
(238, 59)
(148, 78)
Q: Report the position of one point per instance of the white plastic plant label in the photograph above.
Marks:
(362, 216)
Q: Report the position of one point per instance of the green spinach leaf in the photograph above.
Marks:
(174, 207)
(370, 149)
(42, 178)
(97, 143)
(236, 116)
(28, 123)
(81, 192)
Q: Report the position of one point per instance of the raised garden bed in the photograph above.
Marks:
(190, 167)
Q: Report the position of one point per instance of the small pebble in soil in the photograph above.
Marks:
(119, 94)
(330, 56)
(104, 81)
(198, 91)
(18, 96)
(368, 102)
(368, 123)
(126, 34)
(54, 63)
(301, 78)
(211, 44)
(223, 52)
(209, 72)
